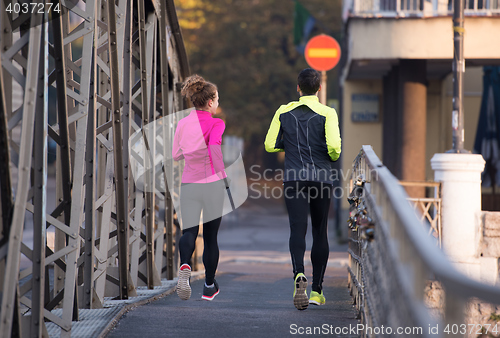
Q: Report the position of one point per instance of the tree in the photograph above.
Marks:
(246, 48)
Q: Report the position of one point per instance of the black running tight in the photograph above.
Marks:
(303, 198)
(198, 199)
(210, 250)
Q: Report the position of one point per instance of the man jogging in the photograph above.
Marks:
(308, 132)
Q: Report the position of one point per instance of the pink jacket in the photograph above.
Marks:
(198, 140)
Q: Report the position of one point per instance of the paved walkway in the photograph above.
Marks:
(255, 278)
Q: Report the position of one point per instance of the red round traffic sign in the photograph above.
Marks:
(322, 52)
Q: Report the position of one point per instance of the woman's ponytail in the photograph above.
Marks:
(199, 91)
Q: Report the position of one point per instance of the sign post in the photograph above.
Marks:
(322, 93)
(322, 53)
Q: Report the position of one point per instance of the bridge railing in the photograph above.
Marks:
(392, 259)
(428, 209)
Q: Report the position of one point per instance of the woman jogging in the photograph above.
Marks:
(198, 140)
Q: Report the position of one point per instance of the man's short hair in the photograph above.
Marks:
(309, 81)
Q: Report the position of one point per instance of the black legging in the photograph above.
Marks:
(303, 198)
(210, 249)
(195, 198)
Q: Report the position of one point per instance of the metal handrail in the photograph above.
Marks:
(433, 258)
(395, 220)
(425, 184)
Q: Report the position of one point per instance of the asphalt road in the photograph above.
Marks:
(255, 279)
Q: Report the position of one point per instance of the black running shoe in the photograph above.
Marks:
(210, 293)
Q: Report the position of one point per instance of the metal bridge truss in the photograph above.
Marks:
(108, 238)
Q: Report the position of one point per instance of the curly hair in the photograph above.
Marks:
(199, 91)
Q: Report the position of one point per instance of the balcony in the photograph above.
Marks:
(378, 33)
(416, 8)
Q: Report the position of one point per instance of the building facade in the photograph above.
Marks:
(397, 81)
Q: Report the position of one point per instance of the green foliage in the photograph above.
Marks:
(246, 48)
(495, 317)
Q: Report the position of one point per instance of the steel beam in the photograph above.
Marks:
(166, 132)
(5, 175)
(136, 196)
(104, 230)
(70, 305)
(88, 274)
(149, 197)
(40, 194)
(128, 77)
(6, 197)
(121, 211)
(5, 43)
(105, 171)
(75, 222)
(63, 194)
(125, 62)
(116, 44)
(10, 286)
(135, 239)
(62, 112)
(157, 230)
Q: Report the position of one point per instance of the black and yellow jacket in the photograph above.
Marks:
(308, 132)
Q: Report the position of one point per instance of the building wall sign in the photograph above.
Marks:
(365, 108)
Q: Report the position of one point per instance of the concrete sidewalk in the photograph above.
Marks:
(98, 322)
(249, 305)
(255, 278)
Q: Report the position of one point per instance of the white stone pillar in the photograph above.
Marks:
(460, 177)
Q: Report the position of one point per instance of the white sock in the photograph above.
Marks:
(209, 286)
